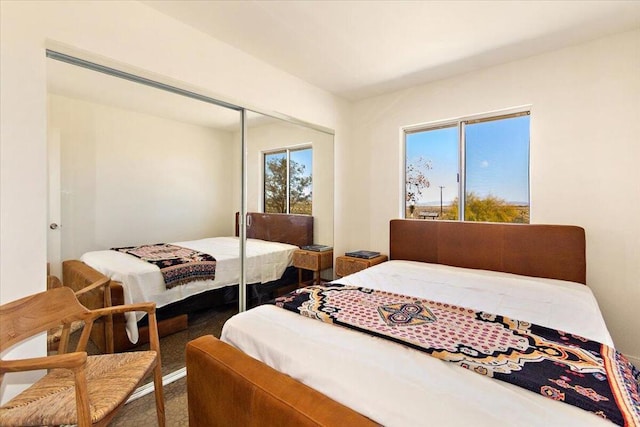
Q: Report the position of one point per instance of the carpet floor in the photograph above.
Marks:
(142, 412)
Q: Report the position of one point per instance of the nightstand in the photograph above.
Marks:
(312, 260)
(346, 265)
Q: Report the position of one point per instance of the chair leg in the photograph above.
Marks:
(159, 393)
(82, 398)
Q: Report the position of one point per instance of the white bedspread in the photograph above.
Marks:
(398, 386)
(142, 281)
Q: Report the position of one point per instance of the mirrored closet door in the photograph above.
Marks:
(138, 168)
(133, 166)
(290, 170)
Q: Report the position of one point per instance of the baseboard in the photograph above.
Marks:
(633, 359)
(143, 390)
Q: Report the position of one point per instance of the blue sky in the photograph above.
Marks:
(304, 157)
(497, 160)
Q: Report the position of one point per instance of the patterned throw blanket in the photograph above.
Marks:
(178, 265)
(556, 364)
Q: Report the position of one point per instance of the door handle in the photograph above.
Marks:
(53, 226)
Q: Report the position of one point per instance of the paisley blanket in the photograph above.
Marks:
(178, 265)
(556, 364)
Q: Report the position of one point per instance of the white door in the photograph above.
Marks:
(53, 226)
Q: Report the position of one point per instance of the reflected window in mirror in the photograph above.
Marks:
(288, 179)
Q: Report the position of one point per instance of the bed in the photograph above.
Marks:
(528, 272)
(271, 240)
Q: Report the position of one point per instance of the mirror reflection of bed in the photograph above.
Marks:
(135, 165)
(271, 241)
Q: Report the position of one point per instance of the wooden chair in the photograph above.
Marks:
(78, 389)
(55, 335)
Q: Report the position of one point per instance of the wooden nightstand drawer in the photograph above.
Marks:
(346, 265)
(314, 261)
(310, 260)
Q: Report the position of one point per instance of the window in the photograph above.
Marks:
(288, 181)
(486, 160)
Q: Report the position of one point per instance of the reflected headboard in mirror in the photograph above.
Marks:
(278, 227)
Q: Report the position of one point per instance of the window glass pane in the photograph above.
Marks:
(497, 170)
(300, 181)
(275, 182)
(431, 182)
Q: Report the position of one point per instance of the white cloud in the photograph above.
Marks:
(484, 164)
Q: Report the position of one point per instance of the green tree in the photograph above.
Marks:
(275, 187)
(488, 209)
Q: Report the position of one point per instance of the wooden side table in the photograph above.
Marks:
(312, 260)
(346, 265)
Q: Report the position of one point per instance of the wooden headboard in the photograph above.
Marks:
(284, 228)
(550, 251)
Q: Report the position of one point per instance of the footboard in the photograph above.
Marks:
(77, 275)
(227, 387)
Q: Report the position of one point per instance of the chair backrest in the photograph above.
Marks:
(37, 313)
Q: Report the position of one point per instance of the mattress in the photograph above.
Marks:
(142, 281)
(395, 385)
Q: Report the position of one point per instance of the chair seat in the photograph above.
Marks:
(111, 379)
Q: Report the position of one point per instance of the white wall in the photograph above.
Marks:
(585, 157)
(126, 35)
(129, 178)
(283, 135)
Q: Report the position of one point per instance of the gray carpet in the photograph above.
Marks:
(142, 412)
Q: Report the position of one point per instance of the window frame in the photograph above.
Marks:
(287, 151)
(460, 123)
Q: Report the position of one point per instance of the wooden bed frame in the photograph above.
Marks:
(537, 250)
(284, 228)
(228, 387)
